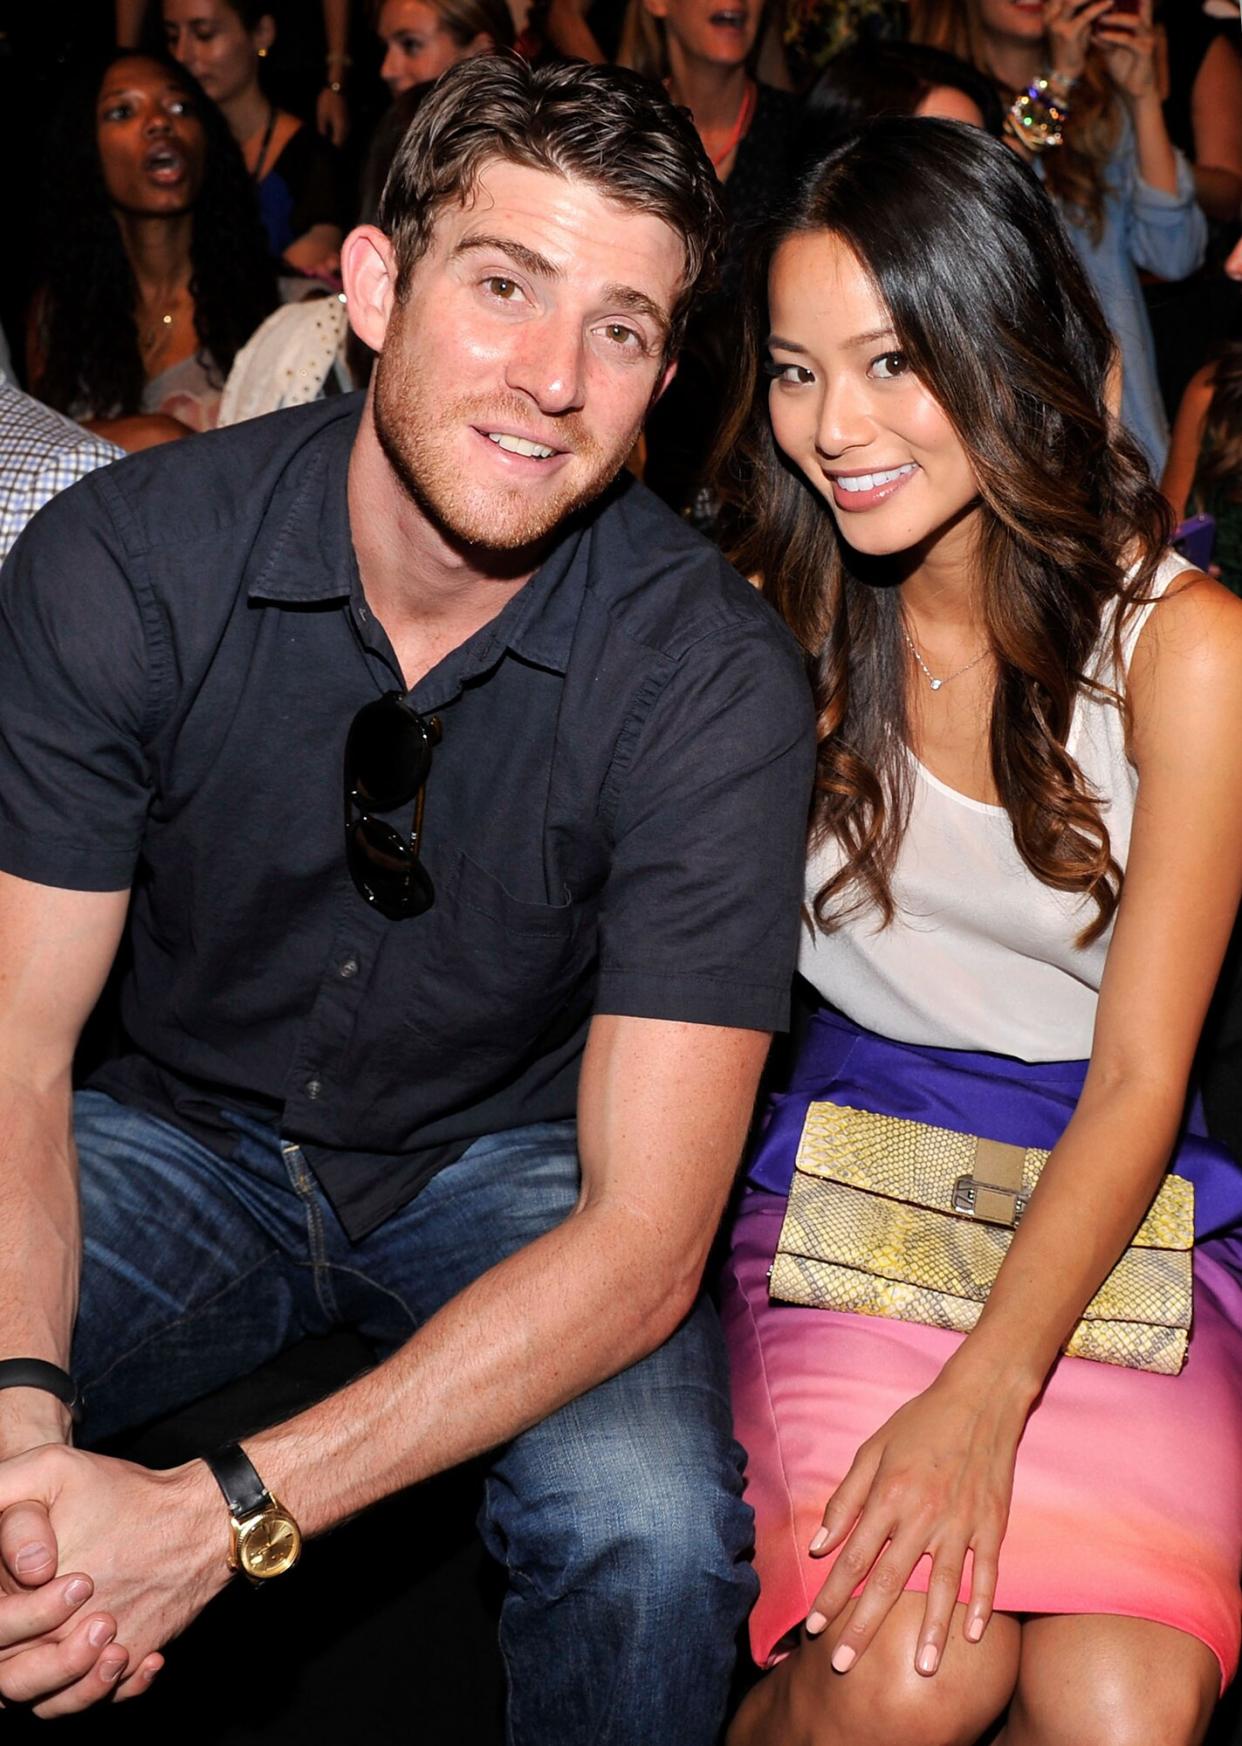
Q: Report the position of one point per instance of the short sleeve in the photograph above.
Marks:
(701, 907)
(73, 698)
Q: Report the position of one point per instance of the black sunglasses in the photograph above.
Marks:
(387, 762)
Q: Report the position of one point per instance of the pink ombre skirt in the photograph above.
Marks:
(1128, 1490)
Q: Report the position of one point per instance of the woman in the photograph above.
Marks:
(155, 266)
(422, 38)
(1026, 856)
(1204, 472)
(297, 173)
(703, 52)
(893, 78)
(1095, 132)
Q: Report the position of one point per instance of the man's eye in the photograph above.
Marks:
(507, 290)
(621, 335)
(889, 365)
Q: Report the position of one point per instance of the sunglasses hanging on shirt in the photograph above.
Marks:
(387, 762)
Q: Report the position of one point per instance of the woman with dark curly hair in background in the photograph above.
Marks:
(155, 266)
(991, 1484)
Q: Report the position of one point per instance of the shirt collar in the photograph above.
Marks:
(304, 555)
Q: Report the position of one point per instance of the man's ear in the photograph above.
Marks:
(670, 370)
(369, 274)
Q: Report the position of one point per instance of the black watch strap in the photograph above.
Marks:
(38, 1373)
(234, 1472)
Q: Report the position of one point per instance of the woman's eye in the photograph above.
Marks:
(180, 106)
(117, 112)
(794, 374)
(889, 365)
(409, 45)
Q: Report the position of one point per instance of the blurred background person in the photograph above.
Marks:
(154, 265)
(325, 42)
(301, 193)
(422, 38)
(703, 51)
(1097, 138)
(1204, 471)
(893, 78)
(40, 454)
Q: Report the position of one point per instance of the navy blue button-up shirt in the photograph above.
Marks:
(615, 815)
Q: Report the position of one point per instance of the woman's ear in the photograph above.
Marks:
(369, 274)
(264, 33)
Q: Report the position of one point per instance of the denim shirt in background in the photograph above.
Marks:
(1143, 227)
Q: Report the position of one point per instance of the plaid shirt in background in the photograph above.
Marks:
(40, 453)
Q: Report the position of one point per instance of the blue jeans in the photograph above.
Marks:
(619, 1518)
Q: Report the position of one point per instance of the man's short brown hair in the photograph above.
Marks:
(602, 125)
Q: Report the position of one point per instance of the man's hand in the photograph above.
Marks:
(154, 1544)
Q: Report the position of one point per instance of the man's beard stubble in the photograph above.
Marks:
(499, 520)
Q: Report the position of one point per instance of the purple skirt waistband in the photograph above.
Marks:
(1019, 1102)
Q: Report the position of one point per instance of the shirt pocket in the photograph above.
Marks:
(498, 972)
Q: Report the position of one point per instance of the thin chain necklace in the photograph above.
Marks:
(931, 677)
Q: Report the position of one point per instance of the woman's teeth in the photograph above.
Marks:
(869, 481)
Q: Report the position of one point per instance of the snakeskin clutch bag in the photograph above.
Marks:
(889, 1217)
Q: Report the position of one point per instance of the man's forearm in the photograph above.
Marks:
(574, 1307)
(40, 1255)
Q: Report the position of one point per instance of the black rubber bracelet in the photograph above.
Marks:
(37, 1373)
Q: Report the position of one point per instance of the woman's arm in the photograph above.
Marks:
(1216, 116)
(938, 1476)
(1187, 440)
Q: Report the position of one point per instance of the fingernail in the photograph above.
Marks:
(820, 1540)
(929, 1659)
(112, 1670)
(30, 1557)
(815, 1623)
(843, 1658)
(78, 1591)
(974, 1630)
(100, 1632)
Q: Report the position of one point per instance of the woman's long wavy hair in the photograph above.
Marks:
(1074, 173)
(87, 331)
(1219, 470)
(996, 318)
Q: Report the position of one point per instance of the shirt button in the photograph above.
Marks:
(313, 1088)
(349, 967)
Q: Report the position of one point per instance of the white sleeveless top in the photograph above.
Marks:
(981, 954)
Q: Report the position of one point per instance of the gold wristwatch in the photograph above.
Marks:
(265, 1539)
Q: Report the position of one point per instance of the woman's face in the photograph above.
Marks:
(417, 45)
(721, 32)
(210, 40)
(1016, 20)
(849, 412)
(152, 148)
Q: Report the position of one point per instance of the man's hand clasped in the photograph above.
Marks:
(101, 1563)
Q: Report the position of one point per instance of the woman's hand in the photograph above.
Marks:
(1128, 44)
(935, 1481)
(1068, 24)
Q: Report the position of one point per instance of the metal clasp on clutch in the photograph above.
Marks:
(966, 1200)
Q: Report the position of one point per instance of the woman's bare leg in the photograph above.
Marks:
(882, 1701)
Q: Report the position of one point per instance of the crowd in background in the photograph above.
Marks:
(184, 197)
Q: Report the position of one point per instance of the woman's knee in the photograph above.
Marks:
(882, 1700)
(1104, 1681)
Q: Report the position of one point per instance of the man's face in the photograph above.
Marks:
(516, 374)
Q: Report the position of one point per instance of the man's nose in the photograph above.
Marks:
(548, 363)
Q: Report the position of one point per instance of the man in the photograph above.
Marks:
(473, 1075)
(41, 453)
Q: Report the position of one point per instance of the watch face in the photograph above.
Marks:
(269, 1544)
